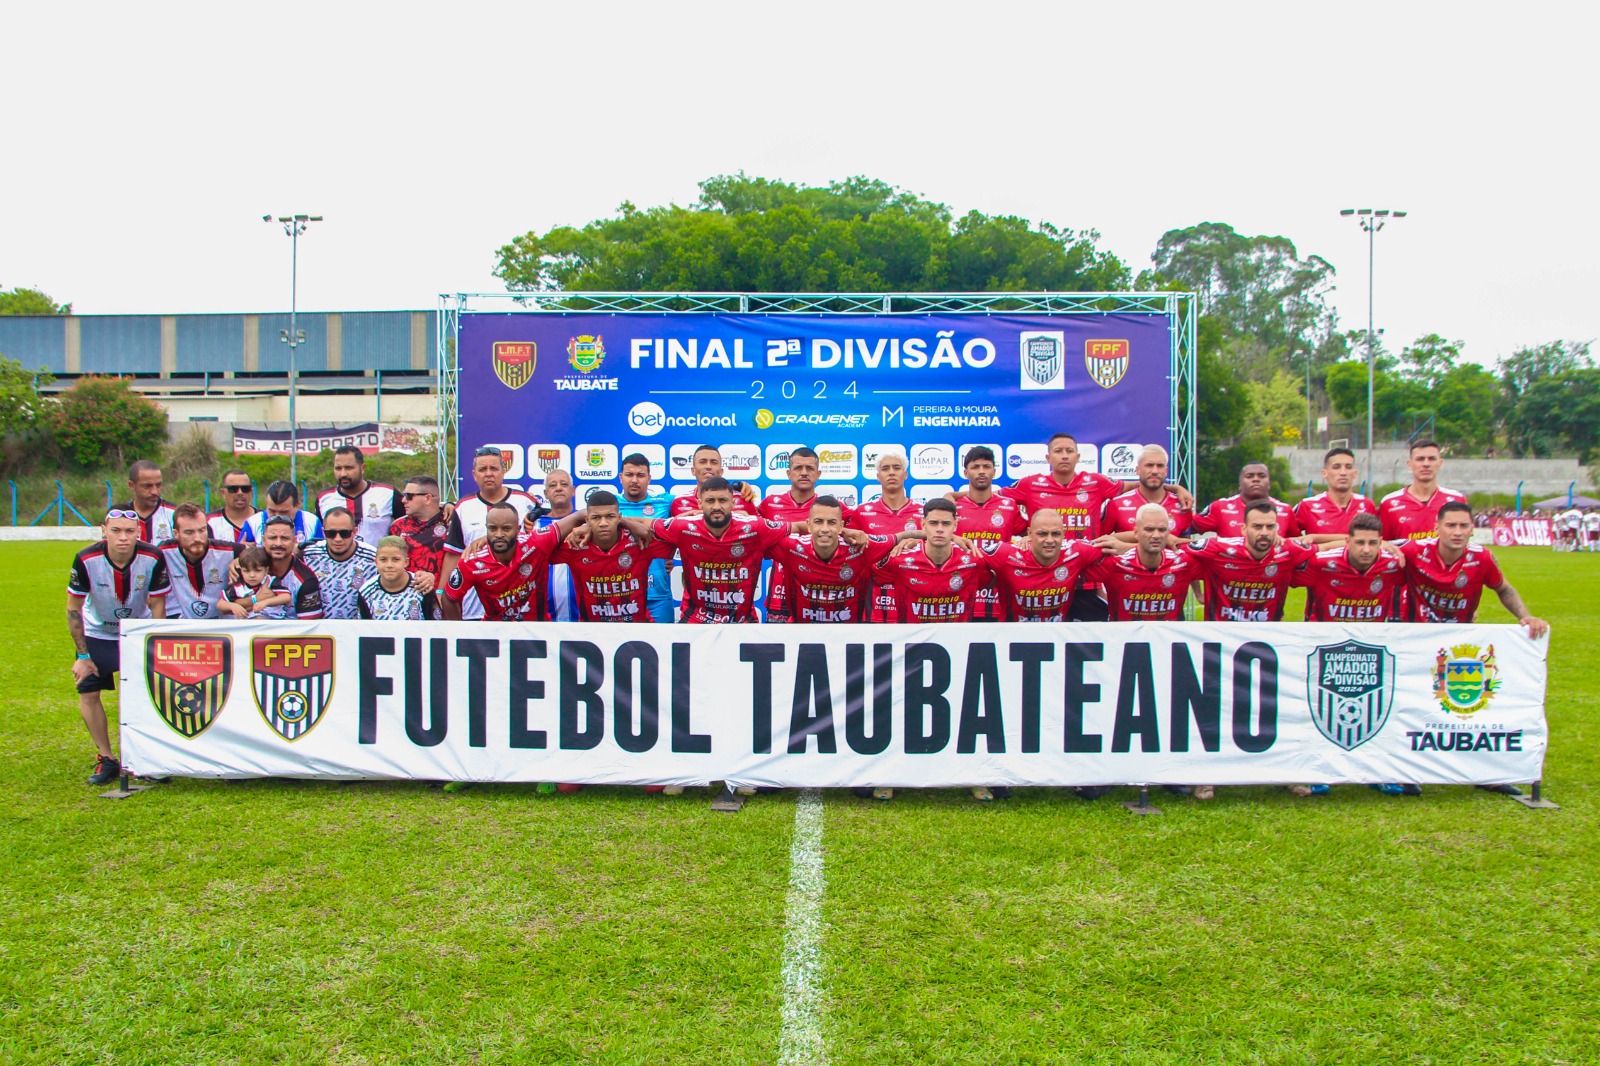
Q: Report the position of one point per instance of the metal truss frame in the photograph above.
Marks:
(1181, 308)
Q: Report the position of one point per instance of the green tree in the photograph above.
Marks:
(1464, 402)
(1429, 359)
(758, 235)
(1561, 412)
(21, 407)
(101, 419)
(1528, 429)
(21, 301)
(1278, 408)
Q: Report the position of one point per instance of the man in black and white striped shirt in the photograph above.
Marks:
(341, 562)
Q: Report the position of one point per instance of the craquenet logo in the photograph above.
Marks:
(764, 419)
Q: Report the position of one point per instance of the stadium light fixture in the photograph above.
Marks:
(1371, 221)
(293, 226)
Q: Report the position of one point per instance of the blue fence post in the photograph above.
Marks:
(1570, 486)
(61, 503)
(1518, 506)
(207, 483)
(13, 485)
(253, 490)
(109, 504)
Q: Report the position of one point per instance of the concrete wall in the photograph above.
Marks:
(310, 407)
(1539, 477)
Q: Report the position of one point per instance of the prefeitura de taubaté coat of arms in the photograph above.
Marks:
(1465, 678)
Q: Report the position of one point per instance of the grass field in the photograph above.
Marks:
(391, 923)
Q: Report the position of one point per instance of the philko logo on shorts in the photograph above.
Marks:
(188, 679)
(293, 682)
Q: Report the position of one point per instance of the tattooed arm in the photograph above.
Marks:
(81, 668)
(1537, 627)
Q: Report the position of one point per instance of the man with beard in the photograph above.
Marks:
(1036, 582)
(721, 553)
(1152, 488)
(1247, 578)
(197, 565)
(507, 570)
(1325, 516)
(469, 523)
(283, 501)
(289, 573)
(792, 506)
(237, 507)
(373, 505)
(1225, 517)
(1355, 582)
(342, 563)
(829, 568)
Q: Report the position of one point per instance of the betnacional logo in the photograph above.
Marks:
(1043, 358)
(514, 362)
(188, 679)
(1350, 688)
(1106, 361)
(293, 682)
(586, 353)
(1465, 678)
(647, 418)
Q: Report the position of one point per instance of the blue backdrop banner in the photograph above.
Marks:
(580, 391)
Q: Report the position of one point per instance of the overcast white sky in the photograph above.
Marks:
(144, 142)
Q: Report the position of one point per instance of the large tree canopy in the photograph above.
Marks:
(858, 235)
(23, 301)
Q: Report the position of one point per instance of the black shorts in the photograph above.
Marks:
(1087, 607)
(107, 658)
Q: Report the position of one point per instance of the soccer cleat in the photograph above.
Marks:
(981, 794)
(672, 790)
(861, 792)
(1204, 792)
(569, 788)
(1320, 790)
(1298, 790)
(884, 794)
(106, 770)
(1179, 790)
(1410, 790)
(545, 788)
(456, 786)
(1092, 792)
(153, 780)
(1502, 790)
(746, 791)
(653, 790)
(1001, 792)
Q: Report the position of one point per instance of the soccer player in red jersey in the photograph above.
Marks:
(828, 576)
(1148, 582)
(986, 518)
(708, 464)
(892, 512)
(508, 571)
(1325, 516)
(1036, 582)
(610, 573)
(1446, 577)
(938, 582)
(1412, 513)
(1152, 488)
(721, 553)
(1225, 517)
(1247, 578)
(1357, 582)
(791, 506)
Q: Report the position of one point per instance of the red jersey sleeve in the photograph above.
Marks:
(663, 530)
(772, 534)
(1204, 521)
(1492, 577)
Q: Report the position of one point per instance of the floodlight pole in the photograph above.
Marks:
(293, 226)
(1371, 221)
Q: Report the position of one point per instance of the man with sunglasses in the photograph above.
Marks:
(373, 505)
(238, 495)
(342, 563)
(120, 577)
(470, 521)
(424, 529)
(288, 571)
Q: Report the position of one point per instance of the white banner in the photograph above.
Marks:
(830, 706)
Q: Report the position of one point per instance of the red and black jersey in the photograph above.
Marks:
(720, 571)
(512, 591)
(1320, 514)
(878, 519)
(1121, 512)
(832, 589)
(1136, 593)
(373, 508)
(682, 505)
(1443, 592)
(197, 585)
(1405, 517)
(1225, 517)
(1031, 591)
(1080, 502)
(1242, 588)
(156, 527)
(223, 530)
(1337, 592)
(783, 508)
(927, 591)
(111, 593)
(612, 585)
(994, 521)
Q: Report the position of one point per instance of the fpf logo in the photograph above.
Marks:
(293, 682)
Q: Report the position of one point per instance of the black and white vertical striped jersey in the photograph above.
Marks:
(111, 593)
(197, 584)
(373, 509)
(223, 529)
(340, 579)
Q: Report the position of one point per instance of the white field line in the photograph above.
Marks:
(801, 1042)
